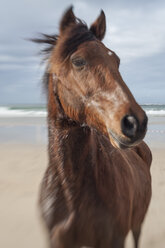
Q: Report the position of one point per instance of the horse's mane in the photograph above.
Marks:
(78, 33)
(49, 40)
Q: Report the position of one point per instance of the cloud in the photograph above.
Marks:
(135, 31)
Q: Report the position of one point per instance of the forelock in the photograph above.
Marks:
(75, 35)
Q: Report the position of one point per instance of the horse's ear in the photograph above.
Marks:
(98, 28)
(67, 19)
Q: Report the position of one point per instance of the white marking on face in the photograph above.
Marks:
(96, 105)
(114, 96)
(113, 99)
(110, 53)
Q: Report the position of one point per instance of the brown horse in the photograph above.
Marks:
(97, 186)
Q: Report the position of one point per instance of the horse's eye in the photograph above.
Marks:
(78, 62)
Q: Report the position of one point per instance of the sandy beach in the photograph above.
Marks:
(23, 160)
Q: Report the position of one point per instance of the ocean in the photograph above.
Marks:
(40, 110)
(27, 124)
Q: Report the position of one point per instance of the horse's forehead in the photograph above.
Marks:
(93, 45)
(92, 49)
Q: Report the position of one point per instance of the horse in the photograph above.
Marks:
(97, 186)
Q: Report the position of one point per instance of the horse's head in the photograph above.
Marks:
(88, 83)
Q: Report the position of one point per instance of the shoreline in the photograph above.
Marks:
(33, 130)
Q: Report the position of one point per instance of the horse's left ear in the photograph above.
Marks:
(67, 19)
(98, 28)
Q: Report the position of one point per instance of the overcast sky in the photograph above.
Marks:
(135, 31)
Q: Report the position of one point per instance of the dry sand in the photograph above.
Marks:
(22, 167)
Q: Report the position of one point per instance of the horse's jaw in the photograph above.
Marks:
(119, 142)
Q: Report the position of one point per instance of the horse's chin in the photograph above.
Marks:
(119, 142)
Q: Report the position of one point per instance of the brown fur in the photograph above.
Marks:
(93, 192)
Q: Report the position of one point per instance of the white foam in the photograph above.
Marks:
(160, 112)
(7, 112)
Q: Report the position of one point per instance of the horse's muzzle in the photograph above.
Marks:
(132, 128)
(132, 132)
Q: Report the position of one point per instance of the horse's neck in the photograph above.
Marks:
(60, 125)
(67, 140)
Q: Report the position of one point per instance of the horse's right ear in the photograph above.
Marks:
(98, 28)
(67, 19)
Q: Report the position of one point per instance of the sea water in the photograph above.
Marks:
(40, 110)
(27, 123)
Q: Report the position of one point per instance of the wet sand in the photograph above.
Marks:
(22, 164)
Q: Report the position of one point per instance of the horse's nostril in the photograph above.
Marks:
(129, 126)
